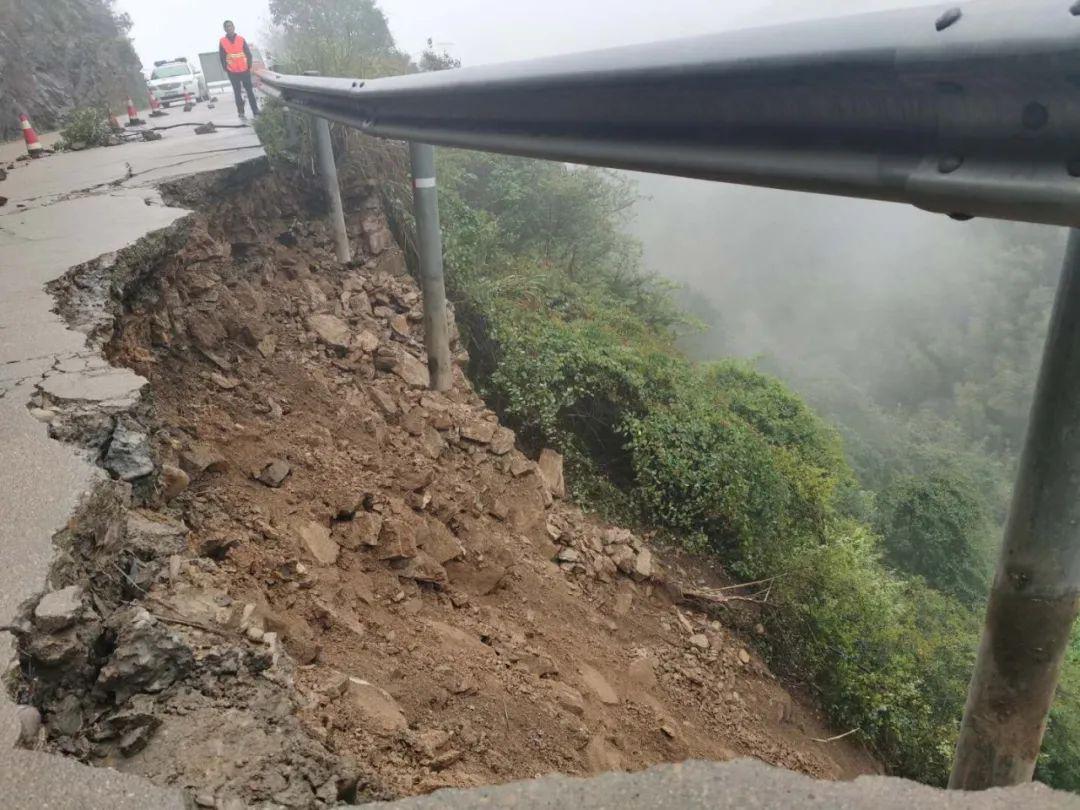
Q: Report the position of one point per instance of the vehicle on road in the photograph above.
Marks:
(216, 80)
(171, 79)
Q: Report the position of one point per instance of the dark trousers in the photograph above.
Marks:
(243, 79)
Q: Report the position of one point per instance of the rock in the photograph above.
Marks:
(316, 540)
(568, 698)
(224, 382)
(642, 672)
(520, 465)
(699, 640)
(267, 346)
(479, 582)
(362, 530)
(759, 629)
(400, 325)
(540, 665)
(601, 756)
(29, 720)
(66, 716)
(147, 658)
(422, 568)
(432, 442)
(744, 656)
(380, 711)
(669, 731)
(624, 558)
(604, 569)
(643, 566)
(502, 442)
(128, 456)
(479, 431)
(404, 365)
(58, 609)
(444, 760)
(598, 684)
(568, 555)
(465, 685)
(173, 482)
(397, 540)
(331, 330)
(551, 472)
(439, 543)
(383, 401)
(153, 536)
(200, 458)
(275, 473)
(433, 740)
(366, 342)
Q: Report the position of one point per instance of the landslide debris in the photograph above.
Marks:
(333, 584)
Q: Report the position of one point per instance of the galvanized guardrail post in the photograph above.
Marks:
(328, 171)
(324, 151)
(1036, 591)
(426, 210)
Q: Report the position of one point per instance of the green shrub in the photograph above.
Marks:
(936, 526)
(85, 127)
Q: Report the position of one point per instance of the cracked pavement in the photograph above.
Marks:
(64, 210)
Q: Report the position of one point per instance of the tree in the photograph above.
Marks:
(337, 37)
(936, 526)
(431, 59)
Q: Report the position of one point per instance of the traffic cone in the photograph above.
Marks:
(155, 107)
(32, 144)
(188, 102)
(133, 115)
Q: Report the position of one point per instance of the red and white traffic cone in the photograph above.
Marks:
(188, 102)
(133, 115)
(155, 107)
(33, 146)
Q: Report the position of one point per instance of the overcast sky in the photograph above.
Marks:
(479, 31)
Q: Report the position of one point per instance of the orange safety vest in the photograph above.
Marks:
(235, 60)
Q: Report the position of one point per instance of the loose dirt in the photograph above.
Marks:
(337, 585)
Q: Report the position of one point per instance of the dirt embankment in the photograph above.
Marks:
(312, 580)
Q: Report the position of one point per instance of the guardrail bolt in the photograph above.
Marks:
(1035, 115)
(948, 18)
(950, 163)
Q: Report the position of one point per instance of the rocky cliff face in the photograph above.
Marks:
(59, 54)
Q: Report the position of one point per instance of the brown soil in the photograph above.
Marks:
(451, 623)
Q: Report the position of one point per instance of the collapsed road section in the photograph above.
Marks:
(62, 211)
(303, 579)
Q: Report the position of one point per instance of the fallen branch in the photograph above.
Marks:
(834, 739)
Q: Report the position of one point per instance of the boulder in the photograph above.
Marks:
(380, 711)
(129, 456)
(154, 536)
(274, 474)
(58, 610)
(173, 482)
(551, 472)
(397, 540)
(331, 330)
(200, 458)
(316, 540)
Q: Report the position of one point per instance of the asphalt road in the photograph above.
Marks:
(63, 210)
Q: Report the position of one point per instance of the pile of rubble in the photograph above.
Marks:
(305, 560)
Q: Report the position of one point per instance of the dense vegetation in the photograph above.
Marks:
(877, 535)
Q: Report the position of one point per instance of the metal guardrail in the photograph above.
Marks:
(973, 112)
(969, 111)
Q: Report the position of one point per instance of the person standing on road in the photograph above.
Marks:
(236, 59)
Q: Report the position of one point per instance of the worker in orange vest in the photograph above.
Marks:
(236, 59)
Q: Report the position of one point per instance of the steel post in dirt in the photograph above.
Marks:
(328, 171)
(1036, 591)
(426, 210)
